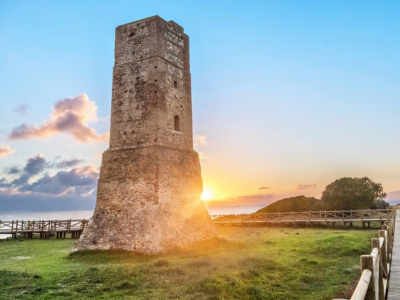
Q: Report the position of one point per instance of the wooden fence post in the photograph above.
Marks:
(389, 238)
(384, 253)
(367, 262)
(375, 244)
(326, 220)
(362, 219)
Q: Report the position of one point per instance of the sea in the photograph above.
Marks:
(87, 214)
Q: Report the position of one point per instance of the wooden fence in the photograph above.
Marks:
(375, 267)
(308, 217)
(44, 228)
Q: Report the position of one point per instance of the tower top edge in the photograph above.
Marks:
(173, 23)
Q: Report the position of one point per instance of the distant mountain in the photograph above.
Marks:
(298, 203)
(393, 197)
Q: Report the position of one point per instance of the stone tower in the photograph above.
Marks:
(148, 196)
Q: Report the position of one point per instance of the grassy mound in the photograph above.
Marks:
(298, 203)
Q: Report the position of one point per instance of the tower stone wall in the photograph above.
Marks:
(148, 196)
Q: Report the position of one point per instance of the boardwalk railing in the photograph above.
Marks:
(327, 217)
(375, 267)
(43, 227)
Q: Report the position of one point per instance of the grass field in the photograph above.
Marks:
(243, 263)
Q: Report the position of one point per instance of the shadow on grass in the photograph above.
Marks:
(114, 255)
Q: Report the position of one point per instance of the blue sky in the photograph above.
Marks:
(289, 95)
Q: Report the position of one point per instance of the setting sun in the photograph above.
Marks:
(207, 194)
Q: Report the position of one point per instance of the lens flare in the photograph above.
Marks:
(207, 194)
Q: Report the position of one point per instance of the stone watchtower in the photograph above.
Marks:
(148, 196)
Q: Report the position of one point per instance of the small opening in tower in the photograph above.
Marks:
(177, 124)
(175, 84)
(155, 67)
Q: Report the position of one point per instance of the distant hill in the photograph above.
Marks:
(298, 203)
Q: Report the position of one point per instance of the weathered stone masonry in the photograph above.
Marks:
(148, 196)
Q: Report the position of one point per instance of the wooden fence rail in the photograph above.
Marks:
(375, 267)
(321, 217)
(44, 227)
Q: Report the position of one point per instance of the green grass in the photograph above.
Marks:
(246, 263)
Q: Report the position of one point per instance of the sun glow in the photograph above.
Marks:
(207, 194)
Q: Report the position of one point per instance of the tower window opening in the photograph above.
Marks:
(175, 84)
(177, 125)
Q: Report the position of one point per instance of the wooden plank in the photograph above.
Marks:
(394, 279)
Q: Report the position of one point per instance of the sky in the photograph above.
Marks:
(287, 95)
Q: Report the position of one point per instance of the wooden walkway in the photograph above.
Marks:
(345, 217)
(394, 279)
(44, 228)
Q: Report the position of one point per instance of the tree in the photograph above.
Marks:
(354, 193)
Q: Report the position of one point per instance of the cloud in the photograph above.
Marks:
(306, 186)
(200, 140)
(71, 116)
(35, 165)
(5, 150)
(261, 199)
(264, 188)
(255, 199)
(80, 180)
(14, 170)
(22, 109)
(66, 163)
(31, 187)
(45, 202)
(202, 155)
(19, 181)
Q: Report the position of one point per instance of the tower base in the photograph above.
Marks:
(148, 200)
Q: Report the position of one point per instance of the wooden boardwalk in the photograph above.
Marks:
(45, 228)
(394, 279)
(345, 217)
